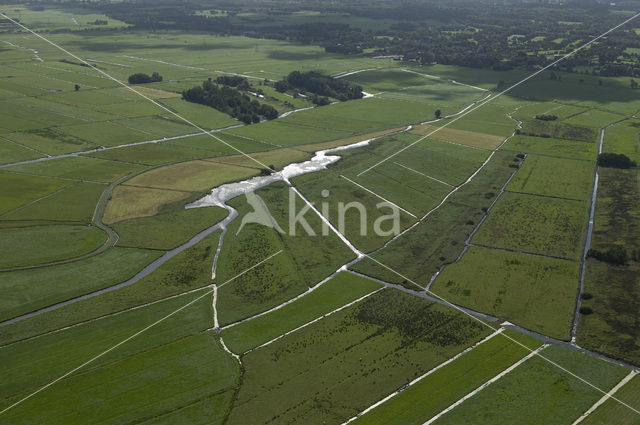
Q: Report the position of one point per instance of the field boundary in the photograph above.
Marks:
(606, 397)
(486, 384)
(424, 375)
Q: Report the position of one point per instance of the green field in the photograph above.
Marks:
(612, 410)
(50, 141)
(440, 238)
(304, 261)
(340, 290)
(13, 152)
(614, 288)
(535, 224)
(19, 190)
(623, 138)
(357, 222)
(452, 381)
(46, 244)
(556, 177)
(560, 110)
(564, 397)
(27, 290)
(570, 149)
(75, 203)
(183, 364)
(559, 130)
(167, 231)
(537, 293)
(78, 168)
(354, 355)
(187, 271)
(594, 118)
(101, 177)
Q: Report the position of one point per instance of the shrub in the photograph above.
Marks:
(142, 78)
(616, 255)
(544, 117)
(615, 160)
(586, 310)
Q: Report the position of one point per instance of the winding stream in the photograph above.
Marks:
(218, 197)
(320, 161)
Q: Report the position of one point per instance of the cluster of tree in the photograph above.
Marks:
(545, 117)
(234, 81)
(322, 86)
(462, 32)
(615, 160)
(142, 78)
(99, 22)
(230, 101)
(616, 255)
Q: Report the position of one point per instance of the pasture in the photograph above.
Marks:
(555, 177)
(565, 398)
(28, 290)
(440, 237)
(335, 293)
(304, 260)
(469, 138)
(129, 202)
(613, 411)
(546, 226)
(330, 370)
(347, 360)
(176, 347)
(20, 189)
(613, 287)
(453, 381)
(73, 203)
(534, 292)
(166, 231)
(186, 272)
(569, 149)
(45, 244)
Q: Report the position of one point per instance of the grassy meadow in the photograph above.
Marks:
(537, 293)
(85, 161)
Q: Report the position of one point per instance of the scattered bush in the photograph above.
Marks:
(615, 160)
(142, 78)
(320, 100)
(586, 310)
(416, 320)
(234, 81)
(616, 255)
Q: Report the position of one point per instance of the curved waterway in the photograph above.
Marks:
(218, 197)
(320, 161)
